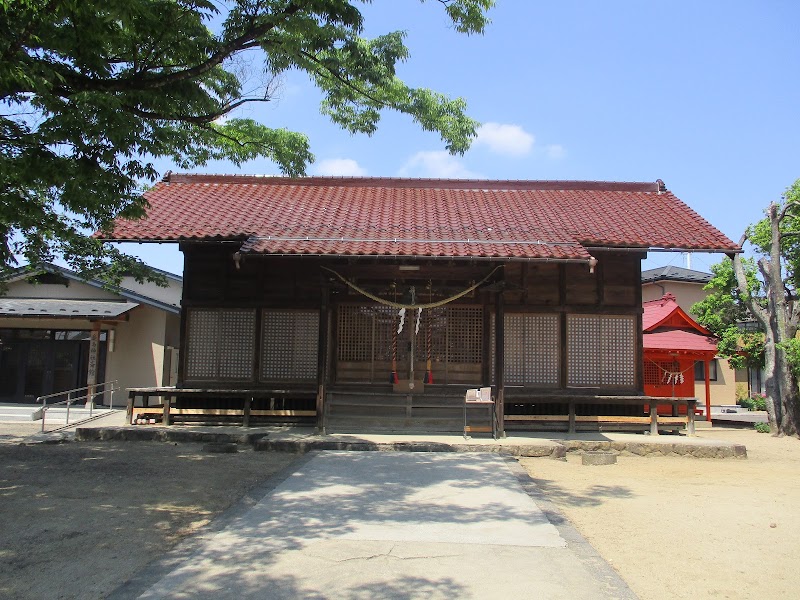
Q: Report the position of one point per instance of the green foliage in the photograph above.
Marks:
(92, 91)
(757, 401)
(760, 236)
(792, 349)
(723, 311)
(761, 427)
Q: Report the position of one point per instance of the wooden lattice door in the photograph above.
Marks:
(446, 344)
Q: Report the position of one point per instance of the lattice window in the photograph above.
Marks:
(654, 371)
(531, 349)
(601, 350)
(464, 334)
(289, 345)
(365, 333)
(202, 353)
(220, 344)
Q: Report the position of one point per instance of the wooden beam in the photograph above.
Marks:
(322, 354)
(653, 419)
(167, 402)
(500, 367)
(93, 363)
(690, 428)
(707, 365)
(246, 409)
(639, 352)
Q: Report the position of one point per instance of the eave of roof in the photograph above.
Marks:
(24, 272)
(70, 309)
(679, 340)
(656, 313)
(538, 220)
(673, 273)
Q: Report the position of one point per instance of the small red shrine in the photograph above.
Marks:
(672, 343)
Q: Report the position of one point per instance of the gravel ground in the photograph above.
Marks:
(687, 527)
(79, 520)
(84, 520)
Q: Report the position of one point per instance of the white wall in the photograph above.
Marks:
(75, 290)
(138, 356)
(170, 294)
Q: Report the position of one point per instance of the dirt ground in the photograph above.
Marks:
(690, 528)
(79, 520)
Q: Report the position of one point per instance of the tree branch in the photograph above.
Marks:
(196, 119)
(741, 283)
(146, 81)
(343, 80)
(785, 209)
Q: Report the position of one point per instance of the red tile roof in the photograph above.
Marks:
(417, 217)
(679, 340)
(666, 326)
(666, 312)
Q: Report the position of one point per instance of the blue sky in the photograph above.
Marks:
(703, 95)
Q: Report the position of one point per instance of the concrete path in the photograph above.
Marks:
(393, 525)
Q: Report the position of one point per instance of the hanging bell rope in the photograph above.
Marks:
(411, 306)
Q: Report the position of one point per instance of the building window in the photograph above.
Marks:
(700, 373)
(220, 344)
(601, 351)
(531, 349)
(289, 341)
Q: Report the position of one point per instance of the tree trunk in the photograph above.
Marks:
(781, 385)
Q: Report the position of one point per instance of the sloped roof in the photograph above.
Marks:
(133, 298)
(561, 220)
(666, 312)
(666, 326)
(672, 273)
(678, 340)
(59, 308)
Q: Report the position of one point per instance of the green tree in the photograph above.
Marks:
(724, 313)
(92, 91)
(764, 289)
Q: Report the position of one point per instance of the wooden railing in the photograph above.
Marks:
(648, 418)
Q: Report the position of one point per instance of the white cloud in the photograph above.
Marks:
(509, 140)
(556, 151)
(438, 164)
(341, 167)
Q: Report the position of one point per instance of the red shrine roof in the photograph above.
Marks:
(666, 326)
(555, 220)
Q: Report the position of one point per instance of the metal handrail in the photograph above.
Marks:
(92, 391)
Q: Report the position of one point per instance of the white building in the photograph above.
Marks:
(48, 319)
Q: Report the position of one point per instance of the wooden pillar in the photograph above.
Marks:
(571, 426)
(639, 356)
(562, 327)
(322, 355)
(248, 404)
(167, 400)
(129, 408)
(500, 368)
(707, 370)
(653, 418)
(183, 329)
(690, 429)
(94, 361)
